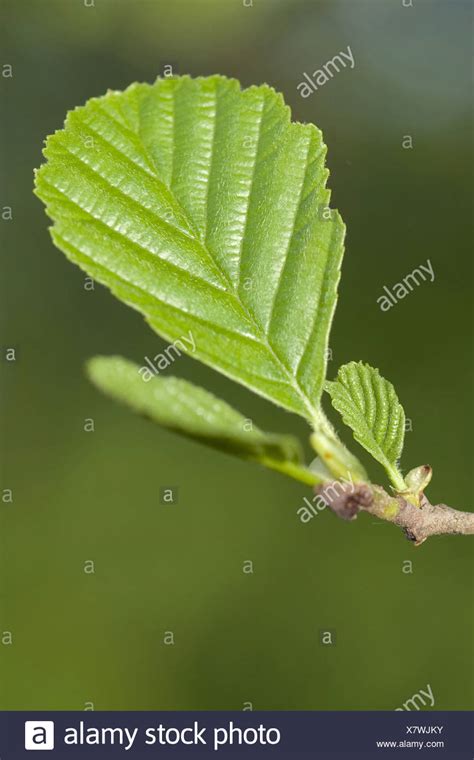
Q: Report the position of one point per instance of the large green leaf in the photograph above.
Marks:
(369, 405)
(191, 411)
(205, 208)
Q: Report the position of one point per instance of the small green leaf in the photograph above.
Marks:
(191, 411)
(205, 208)
(369, 405)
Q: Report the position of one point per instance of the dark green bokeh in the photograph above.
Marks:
(79, 496)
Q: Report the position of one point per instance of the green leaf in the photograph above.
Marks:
(204, 207)
(193, 412)
(369, 405)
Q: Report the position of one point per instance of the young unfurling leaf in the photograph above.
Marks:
(369, 405)
(184, 408)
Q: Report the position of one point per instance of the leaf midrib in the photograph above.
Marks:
(260, 333)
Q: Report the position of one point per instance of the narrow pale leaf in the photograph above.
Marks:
(195, 413)
(204, 207)
(369, 405)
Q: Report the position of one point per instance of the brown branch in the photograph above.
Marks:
(418, 523)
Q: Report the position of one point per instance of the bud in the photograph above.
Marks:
(418, 479)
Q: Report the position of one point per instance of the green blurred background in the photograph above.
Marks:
(80, 638)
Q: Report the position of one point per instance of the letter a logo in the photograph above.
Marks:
(39, 734)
